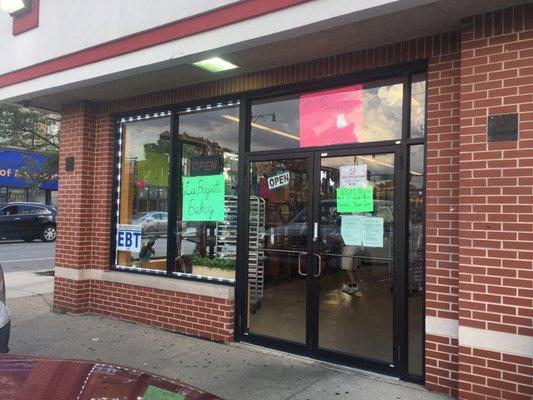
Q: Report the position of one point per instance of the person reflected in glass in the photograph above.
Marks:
(351, 263)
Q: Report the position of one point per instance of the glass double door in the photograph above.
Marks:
(321, 275)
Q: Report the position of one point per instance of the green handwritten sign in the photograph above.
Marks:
(355, 199)
(203, 198)
(155, 393)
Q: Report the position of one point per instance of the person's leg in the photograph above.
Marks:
(352, 275)
(349, 264)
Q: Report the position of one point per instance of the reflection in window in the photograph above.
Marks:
(143, 187)
(416, 259)
(16, 195)
(206, 243)
(418, 106)
(357, 113)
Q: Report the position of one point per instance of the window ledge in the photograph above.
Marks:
(155, 282)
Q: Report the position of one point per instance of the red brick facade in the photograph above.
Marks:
(496, 201)
(195, 315)
(478, 216)
(496, 179)
(442, 217)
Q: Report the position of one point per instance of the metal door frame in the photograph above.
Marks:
(398, 367)
(262, 340)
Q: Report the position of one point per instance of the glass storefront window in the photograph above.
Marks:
(38, 196)
(207, 207)
(418, 106)
(356, 113)
(144, 173)
(416, 259)
(16, 195)
(3, 195)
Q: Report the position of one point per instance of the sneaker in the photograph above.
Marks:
(351, 288)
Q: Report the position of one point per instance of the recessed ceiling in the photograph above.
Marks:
(417, 22)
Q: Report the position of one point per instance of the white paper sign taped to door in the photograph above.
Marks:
(353, 175)
(358, 230)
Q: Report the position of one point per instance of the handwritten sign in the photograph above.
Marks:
(355, 199)
(129, 237)
(155, 393)
(353, 175)
(279, 180)
(203, 198)
(331, 116)
(357, 230)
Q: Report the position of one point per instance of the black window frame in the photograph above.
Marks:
(244, 100)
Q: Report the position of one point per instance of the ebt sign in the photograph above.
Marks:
(129, 237)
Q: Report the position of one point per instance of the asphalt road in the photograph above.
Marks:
(22, 256)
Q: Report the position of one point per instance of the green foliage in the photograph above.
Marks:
(34, 131)
(217, 263)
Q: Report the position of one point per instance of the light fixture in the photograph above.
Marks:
(15, 7)
(215, 64)
(265, 128)
(255, 118)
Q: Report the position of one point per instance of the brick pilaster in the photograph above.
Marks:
(75, 203)
(496, 202)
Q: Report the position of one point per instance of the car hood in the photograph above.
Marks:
(42, 378)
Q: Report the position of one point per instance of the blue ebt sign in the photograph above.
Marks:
(129, 237)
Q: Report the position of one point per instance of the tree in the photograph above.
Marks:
(35, 131)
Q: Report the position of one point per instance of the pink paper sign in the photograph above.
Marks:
(331, 116)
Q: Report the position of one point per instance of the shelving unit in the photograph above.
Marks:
(256, 255)
(226, 243)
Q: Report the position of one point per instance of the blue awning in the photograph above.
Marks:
(12, 160)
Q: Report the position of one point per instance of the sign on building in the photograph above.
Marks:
(129, 237)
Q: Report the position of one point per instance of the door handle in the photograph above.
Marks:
(319, 266)
(16, 218)
(300, 263)
(315, 231)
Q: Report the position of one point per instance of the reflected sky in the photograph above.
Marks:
(381, 114)
(139, 133)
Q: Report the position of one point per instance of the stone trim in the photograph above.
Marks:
(149, 281)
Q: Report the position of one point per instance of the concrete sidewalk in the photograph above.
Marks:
(26, 283)
(230, 371)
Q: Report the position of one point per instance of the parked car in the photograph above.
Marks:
(295, 231)
(5, 322)
(43, 378)
(152, 222)
(28, 221)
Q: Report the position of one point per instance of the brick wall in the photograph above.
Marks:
(202, 316)
(103, 191)
(442, 364)
(75, 197)
(496, 202)
(72, 295)
(493, 375)
(442, 217)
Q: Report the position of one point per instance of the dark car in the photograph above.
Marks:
(42, 378)
(28, 221)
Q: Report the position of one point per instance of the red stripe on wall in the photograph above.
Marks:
(176, 30)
